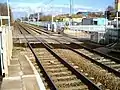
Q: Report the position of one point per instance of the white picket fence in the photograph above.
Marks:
(6, 45)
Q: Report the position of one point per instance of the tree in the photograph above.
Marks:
(46, 18)
(110, 8)
(79, 13)
(110, 12)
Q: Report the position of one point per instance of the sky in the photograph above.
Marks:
(24, 7)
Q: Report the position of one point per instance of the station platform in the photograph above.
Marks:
(22, 75)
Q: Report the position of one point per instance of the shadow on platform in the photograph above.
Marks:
(1, 79)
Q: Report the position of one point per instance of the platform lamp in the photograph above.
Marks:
(8, 8)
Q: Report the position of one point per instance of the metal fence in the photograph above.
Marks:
(90, 28)
(44, 24)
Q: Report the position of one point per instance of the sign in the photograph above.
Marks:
(117, 5)
(4, 17)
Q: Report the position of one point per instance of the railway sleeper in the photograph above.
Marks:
(54, 66)
(59, 74)
(118, 69)
(109, 63)
(47, 59)
(45, 56)
(115, 66)
(82, 87)
(48, 63)
(105, 60)
(57, 69)
(65, 79)
(66, 84)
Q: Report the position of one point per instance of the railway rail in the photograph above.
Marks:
(89, 44)
(107, 62)
(60, 74)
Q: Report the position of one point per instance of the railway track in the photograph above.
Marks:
(87, 43)
(60, 74)
(63, 78)
(112, 65)
(105, 62)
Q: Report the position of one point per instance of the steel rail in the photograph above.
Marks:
(47, 77)
(112, 70)
(79, 75)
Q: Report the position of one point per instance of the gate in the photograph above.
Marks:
(1, 56)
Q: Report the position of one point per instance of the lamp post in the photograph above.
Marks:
(70, 7)
(52, 18)
(117, 10)
(117, 19)
(38, 16)
(70, 14)
(28, 16)
(8, 8)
